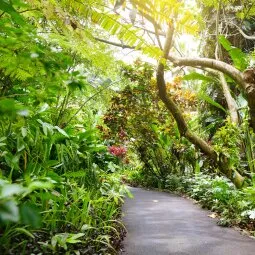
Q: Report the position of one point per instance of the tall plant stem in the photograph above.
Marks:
(232, 106)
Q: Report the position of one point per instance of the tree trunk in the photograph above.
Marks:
(222, 163)
(232, 106)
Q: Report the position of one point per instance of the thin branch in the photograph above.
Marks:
(29, 10)
(123, 46)
(90, 98)
(248, 37)
(150, 19)
(152, 39)
(146, 15)
(161, 33)
(175, 47)
(157, 37)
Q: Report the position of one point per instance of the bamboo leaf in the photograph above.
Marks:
(197, 76)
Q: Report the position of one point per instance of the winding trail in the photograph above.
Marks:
(159, 223)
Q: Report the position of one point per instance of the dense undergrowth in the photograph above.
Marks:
(58, 192)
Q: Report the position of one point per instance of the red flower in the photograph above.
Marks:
(118, 151)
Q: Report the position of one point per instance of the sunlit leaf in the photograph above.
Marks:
(239, 58)
(12, 189)
(197, 76)
(9, 212)
(61, 131)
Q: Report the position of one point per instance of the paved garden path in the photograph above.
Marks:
(161, 223)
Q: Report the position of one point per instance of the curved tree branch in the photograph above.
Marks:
(218, 65)
(248, 37)
(173, 108)
(245, 80)
(123, 46)
(222, 163)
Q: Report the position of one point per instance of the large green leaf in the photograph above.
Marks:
(61, 131)
(74, 238)
(198, 76)
(239, 58)
(5, 6)
(30, 215)
(9, 190)
(40, 185)
(209, 100)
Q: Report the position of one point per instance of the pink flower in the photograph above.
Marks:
(118, 151)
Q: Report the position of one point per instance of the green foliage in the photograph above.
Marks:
(56, 180)
(211, 109)
(141, 177)
(61, 240)
(156, 139)
(173, 182)
(13, 210)
(226, 141)
(193, 76)
(238, 57)
(44, 187)
(210, 101)
(218, 194)
(56, 190)
(248, 139)
(59, 186)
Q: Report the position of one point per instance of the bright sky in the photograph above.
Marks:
(185, 43)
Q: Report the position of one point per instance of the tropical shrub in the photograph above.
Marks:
(155, 140)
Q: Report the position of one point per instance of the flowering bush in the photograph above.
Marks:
(118, 151)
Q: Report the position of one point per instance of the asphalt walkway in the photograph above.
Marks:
(161, 223)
